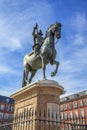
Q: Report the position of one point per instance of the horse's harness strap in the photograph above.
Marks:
(37, 44)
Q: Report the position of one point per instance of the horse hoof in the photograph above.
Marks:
(52, 74)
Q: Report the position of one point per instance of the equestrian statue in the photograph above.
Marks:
(44, 52)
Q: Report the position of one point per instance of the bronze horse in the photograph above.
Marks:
(47, 55)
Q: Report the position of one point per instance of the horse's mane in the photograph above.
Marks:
(53, 25)
(49, 27)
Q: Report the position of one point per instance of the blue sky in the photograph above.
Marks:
(17, 18)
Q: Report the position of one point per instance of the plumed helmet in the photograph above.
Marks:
(40, 32)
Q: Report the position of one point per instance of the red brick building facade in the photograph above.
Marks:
(74, 106)
(6, 109)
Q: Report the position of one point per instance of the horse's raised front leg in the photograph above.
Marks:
(43, 66)
(56, 69)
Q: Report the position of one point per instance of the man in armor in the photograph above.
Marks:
(38, 39)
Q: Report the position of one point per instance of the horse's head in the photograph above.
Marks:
(55, 29)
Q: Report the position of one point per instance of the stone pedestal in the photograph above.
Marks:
(42, 98)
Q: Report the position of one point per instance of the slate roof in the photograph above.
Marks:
(6, 99)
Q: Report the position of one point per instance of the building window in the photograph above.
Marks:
(70, 115)
(6, 116)
(80, 103)
(70, 105)
(76, 114)
(7, 100)
(85, 101)
(1, 115)
(86, 112)
(65, 116)
(11, 116)
(61, 115)
(12, 108)
(65, 106)
(7, 108)
(2, 106)
(75, 104)
(61, 107)
(82, 113)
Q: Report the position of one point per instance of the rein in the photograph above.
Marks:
(56, 41)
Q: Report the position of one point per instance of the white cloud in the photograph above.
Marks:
(16, 28)
(15, 43)
(80, 22)
(7, 91)
(10, 43)
(69, 66)
(4, 92)
(79, 39)
(71, 84)
(7, 37)
(6, 69)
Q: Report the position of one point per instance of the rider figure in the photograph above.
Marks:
(38, 39)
